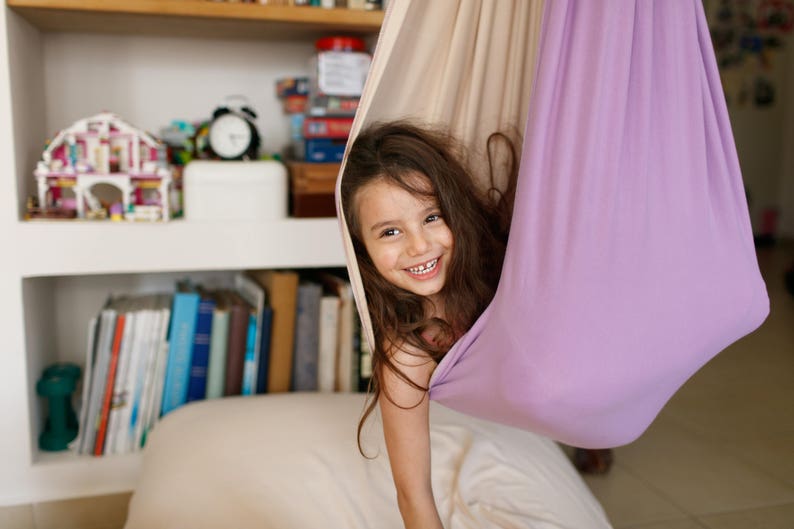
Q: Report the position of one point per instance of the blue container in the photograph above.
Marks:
(325, 150)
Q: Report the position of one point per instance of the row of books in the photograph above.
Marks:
(275, 331)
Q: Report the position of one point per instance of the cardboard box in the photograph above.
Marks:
(312, 187)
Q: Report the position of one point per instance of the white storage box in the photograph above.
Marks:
(223, 190)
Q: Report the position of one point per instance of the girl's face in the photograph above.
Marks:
(405, 236)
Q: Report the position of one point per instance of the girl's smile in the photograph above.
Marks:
(405, 236)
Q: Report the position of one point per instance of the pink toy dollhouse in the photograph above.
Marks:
(103, 149)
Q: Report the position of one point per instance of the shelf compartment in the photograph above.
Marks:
(195, 18)
(63, 248)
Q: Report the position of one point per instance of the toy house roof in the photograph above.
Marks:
(112, 121)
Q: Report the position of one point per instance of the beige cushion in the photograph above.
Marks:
(291, 461)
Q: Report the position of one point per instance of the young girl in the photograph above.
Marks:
(430, 247)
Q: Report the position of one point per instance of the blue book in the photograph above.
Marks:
(180, 349)
(264, 350)
(254, 294)
(249, 367)
(197, 387)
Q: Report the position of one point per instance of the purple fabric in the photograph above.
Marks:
(631, 260)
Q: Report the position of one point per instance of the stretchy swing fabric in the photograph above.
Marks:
(631, 261)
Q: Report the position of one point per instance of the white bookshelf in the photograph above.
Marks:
(103, 248)
(149, 61)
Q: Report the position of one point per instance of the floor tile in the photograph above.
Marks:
(684, 523)
(99, 512)
(746, 389)
(777, 517)
(772, 453)
(627, 500)
(697, 475)
(17, 517)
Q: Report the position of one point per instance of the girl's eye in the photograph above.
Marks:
(432, 218)
(391, 232)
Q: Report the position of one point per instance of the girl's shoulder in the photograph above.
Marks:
(409, 373)
(405, 353)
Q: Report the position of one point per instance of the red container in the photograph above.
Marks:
(340, 44)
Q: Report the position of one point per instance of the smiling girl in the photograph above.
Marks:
(429, 246)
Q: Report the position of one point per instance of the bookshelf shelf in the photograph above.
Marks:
(93, 475)
(59, 248)
(197, 18)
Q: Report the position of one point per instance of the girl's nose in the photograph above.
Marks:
(418, 244)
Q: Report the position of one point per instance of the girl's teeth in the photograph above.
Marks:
(423, 269)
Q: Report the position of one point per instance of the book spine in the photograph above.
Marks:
(346, 369)
(125, 441)
(158, 381)
(93, 332)
(183, 327)
(327, 355)
(99, 445)
(253, 293)
(307, 330)
(249, 364)
(107, 326)
(235, 354)
(120, 398)
(142, 399)
(216, 370)
(264, 350)
(282, 288)
(197, 386)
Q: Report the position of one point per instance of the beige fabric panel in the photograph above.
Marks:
(463, 64)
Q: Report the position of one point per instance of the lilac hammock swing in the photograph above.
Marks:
(630, 262)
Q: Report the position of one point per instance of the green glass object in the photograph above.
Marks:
(57, 384)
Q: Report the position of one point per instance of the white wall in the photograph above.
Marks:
(150, 80)
(15, 449)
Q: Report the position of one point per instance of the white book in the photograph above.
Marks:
(347, 357)
(159, 374)
(137, 362)
(142, 401)
(88, 368)
(346, 379)
(155, 400)
(119, 398)
(107, 328)
(327, 356)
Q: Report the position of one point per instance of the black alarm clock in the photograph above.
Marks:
(233, 134)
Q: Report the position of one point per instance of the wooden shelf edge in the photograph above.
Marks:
(353, 19)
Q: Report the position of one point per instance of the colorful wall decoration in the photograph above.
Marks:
(748, 36)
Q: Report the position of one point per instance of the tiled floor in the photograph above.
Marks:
(720, 455)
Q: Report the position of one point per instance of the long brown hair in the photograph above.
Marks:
(479, 223)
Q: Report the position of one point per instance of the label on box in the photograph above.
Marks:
(329, 127)
(342, 73)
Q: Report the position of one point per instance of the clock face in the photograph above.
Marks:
(230, 136)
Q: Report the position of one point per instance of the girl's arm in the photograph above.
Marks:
(406, 428)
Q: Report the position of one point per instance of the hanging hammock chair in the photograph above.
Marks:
(630, 262)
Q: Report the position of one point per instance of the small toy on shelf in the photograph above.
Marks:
(103, 149)
(57, 384)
